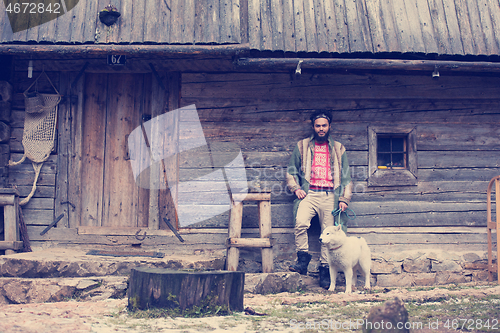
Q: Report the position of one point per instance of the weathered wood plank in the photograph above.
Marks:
(164, 24)
(35, 217)
(453, 27)
(321, 32)
(122, 199)
(266, 26)
(277, 14)
(225, 21)
(254, 32)
(359, 35)
(458, 159)
(212, 28)
(487, 27)
(23, 178)
(288, 26)
(300, 27)
(40, 203)
(468, 39)
(280, 86)
(478, 41)
(310, 26)
(94, 134)
(177, 20)
(403, 27)
(380, 25)
(87, 31)
(64, 140)
(151, 20)
(75, 153)
(495, 20)
(137, 22)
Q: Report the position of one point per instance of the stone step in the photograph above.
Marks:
(66, 262)
(23, 291)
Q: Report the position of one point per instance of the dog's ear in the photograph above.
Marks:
(337, 227)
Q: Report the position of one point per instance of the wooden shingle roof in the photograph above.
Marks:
(141, 21)
(447, 27)
(453, 27)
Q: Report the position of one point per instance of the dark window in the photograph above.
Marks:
(392, 155)
(391, 152)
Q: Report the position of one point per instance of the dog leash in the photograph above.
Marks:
(337, 212)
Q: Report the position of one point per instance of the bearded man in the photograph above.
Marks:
(319, 175)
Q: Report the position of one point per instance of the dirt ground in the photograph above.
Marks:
(111, 315)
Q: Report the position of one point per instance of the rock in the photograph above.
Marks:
(417, 265)
(389, 317)
(480, 276)
(425, 279)
(471, 257)
(447, 278)
(271, 283)
(446, 266)
(384, 267)
(395, 280)
(87, 284)
(25, 291)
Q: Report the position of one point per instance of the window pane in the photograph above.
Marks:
(384, 160)
(384, 144)
(398, 144)
(398, 160)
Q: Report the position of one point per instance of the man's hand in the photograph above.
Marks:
(342, 206)
(300, 193)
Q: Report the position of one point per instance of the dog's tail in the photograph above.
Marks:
(364, 245)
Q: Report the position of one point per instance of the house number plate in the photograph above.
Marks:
(115, 59)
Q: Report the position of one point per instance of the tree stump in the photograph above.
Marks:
(204, 291)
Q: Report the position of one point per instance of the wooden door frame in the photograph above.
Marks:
(70, 143)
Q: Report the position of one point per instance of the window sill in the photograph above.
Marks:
(392, 178)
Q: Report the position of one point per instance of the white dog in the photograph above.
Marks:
(346, 254)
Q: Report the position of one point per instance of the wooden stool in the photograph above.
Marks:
(490, 225)
(234, 242)
(9, 199)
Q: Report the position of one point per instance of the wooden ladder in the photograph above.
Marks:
(490, 225)
(234, 242)
(9, 200)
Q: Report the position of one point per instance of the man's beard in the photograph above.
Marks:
(320, 139)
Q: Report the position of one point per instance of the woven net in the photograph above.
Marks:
(39, 135)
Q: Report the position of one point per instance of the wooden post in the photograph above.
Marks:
(265, 232)
(233, 253)
(497, 209)
(9, 200)
(208, 291)
(264, 242)
(490, 225)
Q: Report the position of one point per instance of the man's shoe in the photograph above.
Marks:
(303, 259)
(324, 276)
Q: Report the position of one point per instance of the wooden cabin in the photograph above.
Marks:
(421, 76)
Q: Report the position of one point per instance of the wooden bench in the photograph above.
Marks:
(490, 225)
(9, 199)
(234, 242)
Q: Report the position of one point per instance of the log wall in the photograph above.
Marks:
(265, 114)
(456, 119)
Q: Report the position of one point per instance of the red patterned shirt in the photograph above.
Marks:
(321, 175)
